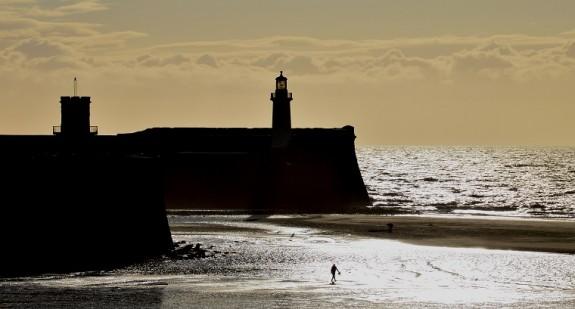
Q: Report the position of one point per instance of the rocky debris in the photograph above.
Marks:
(188, 251)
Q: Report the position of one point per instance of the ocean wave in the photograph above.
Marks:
(392, 194)
(430, 179)
(391, 202)
(475, 195)
(563, 193)
(519, 165)
(441, 179)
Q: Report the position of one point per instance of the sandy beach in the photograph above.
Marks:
(550, 235)
(284, 261)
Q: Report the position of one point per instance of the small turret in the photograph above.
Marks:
(75, 116)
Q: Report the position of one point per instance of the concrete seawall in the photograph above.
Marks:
(77, 213)
(240, 169)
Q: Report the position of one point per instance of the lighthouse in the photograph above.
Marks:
(281, 99)
(281, 114)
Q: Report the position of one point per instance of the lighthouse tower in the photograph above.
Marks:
(281, 98)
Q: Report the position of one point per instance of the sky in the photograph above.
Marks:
(409, 72)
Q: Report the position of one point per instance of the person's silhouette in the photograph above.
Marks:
(333, 270)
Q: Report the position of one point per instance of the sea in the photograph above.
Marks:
(252, 263)
(458, 180)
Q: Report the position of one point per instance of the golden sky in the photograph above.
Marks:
(467, 72)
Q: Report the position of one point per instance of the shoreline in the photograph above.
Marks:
(539, 235)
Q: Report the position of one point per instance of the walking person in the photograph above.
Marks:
(333, 270)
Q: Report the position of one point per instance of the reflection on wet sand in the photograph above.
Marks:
(267, 265)
(41, 296)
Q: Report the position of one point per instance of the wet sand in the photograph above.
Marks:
(261, 265)
(552, 235)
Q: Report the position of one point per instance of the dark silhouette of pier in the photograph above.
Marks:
(78, 200)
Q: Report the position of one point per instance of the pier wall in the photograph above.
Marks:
(240, 169)
(99, 201)
(77, 212)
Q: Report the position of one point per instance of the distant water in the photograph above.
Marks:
(532, 182)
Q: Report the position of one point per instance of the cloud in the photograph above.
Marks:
(31, 30)
(568, 34)
(154, 61)
(207, 60)
(13, 24)
(519, 58)
(11, 5)
(25, 20)
(570, 50)
(36, 56)
(74, 8)
(17, 28)
(302, 65)
(497, 49)
(489, 58)
(477, 62)
(97, 42)
(38, 48)
(13, 2)
(57, 63)
(270, 61)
